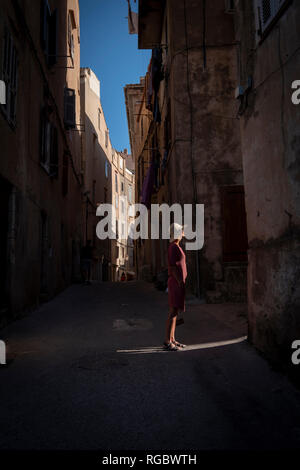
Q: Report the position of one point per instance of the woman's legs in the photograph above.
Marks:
(171, 324)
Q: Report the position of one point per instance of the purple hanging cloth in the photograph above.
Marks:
(147, 188)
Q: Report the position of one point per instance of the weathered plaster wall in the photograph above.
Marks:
(32, 190)
(202, 87)
(271, 148)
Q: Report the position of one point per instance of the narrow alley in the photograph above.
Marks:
(149, 169)
(88, 371)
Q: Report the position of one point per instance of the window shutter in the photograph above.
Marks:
(10, 76)
(72, 46)
(69, 29)
(13, 84)
(69, 108)
(54, 153)
(52, 47)
(45, 16)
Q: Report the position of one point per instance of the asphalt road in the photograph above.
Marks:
(87, 371)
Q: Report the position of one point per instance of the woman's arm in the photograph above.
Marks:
(175, 274)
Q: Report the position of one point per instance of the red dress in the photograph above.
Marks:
(176, 293)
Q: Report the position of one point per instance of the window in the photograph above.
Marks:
(71, 26)
(122, 207)
(49, 33)
(49, 146)
(72, 47)
(99, 119)
(106, 169)
(117, 229)
(142, 127)
(116, 182)
(229, 6)
(70, 108)
(130, 194)
(267, 11)
(122, 187)
(106, 139)
(117, 251)
(121, 163)
(9, 76)
(123, 252)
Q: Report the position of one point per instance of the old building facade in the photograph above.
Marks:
(40, 151)
(192, 139)
(139, 121)
(96, 169)
(123, 190)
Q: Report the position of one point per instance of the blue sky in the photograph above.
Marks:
(113, 54)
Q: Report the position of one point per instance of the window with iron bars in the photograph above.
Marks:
(10, 77)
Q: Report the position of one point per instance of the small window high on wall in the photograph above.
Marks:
(268, 11)
(69, 108)
(49, 32)
(9, 74)
(49, 145)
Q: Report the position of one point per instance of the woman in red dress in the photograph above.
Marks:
(176, 285)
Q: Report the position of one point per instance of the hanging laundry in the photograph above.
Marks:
(149, 87)
(133, 20)
(157, 73)
(153, 78)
